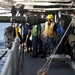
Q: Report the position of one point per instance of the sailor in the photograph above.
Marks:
(35, 35)
(49, 35)
(59, 33)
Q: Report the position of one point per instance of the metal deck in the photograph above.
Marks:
(32, 65)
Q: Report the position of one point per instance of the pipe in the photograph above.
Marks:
(42, 4)
(59, 9)
(30, 19)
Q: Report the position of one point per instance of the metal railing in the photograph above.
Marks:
(11, 65)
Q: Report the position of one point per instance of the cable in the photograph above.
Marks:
(46, 66)
(3, 55)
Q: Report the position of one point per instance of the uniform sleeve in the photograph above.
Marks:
(55, 27)
(39, 27)
(30, 27)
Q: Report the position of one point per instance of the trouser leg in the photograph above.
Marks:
(34, 44)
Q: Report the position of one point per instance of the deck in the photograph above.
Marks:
(32, 65)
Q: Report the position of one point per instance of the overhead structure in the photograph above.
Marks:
(40, 5)
(36, 3)
(54, 0)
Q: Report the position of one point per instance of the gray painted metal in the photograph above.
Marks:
(71, 63)
(31, 66)
(53, 0)
(59, 9)
(11, 65)
(7, 69)
(41, 4)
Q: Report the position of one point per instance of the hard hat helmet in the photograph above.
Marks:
(50, 16)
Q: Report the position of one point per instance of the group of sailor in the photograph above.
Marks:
(42, 38)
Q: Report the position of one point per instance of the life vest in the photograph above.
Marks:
(49, 29)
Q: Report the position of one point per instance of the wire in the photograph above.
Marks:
(46, 66)
(3, 55)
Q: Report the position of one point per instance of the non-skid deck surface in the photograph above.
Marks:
(31, 66)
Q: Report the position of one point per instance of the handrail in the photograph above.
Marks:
(7, 64)
(10, 66)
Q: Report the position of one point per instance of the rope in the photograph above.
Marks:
(44, 69)
(3, 55)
